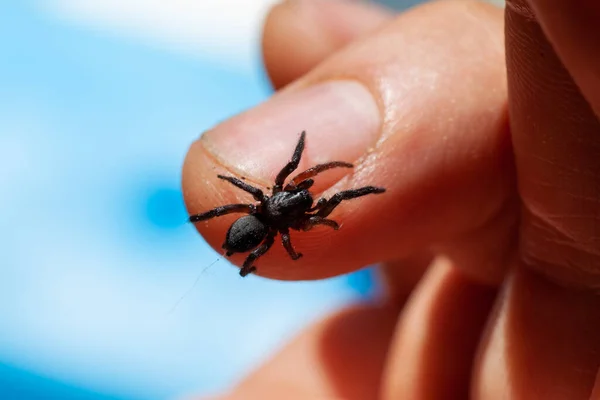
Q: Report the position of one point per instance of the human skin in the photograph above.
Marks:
(511, 310)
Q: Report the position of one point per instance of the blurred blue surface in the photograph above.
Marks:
(93, 132)
(18, 384)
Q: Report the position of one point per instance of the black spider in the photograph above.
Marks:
(289, 207)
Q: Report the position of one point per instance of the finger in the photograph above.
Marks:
(299, 34)
(596, 391)
(556, 138)
(339, 357)
(543, 342)
(401, 276)
(425, 118)
(572, 28)
(432, 353)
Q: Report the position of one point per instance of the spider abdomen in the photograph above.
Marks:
(284, 208)
(245, 234)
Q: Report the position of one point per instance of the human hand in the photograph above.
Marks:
(419, 103)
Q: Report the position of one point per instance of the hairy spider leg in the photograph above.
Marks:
(316, 220)
(291, 165)
(320, 204)
(317, 169)
(255, 192)
(287, 243)
(247, 268)
(337, 198)
(223, 210)
(304, 185)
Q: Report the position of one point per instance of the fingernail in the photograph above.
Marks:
(341, 120)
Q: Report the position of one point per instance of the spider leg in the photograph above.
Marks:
(287, 243)
(322, 201)
(317, 169)
(255, 192)
(291, 165)
(337, 198)
(247, 268)
(316, 220)
(222, 210)
(306, 184)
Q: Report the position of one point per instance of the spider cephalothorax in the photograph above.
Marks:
(290, 206)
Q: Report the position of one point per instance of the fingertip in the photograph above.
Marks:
(298, 34)
(203, 191)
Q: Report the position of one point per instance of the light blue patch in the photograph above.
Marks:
(364, 282)
(165, 209)
(115, 119)
(17, 384)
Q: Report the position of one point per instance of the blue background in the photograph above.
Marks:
(93, 132)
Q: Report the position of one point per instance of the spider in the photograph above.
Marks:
(290, 206)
